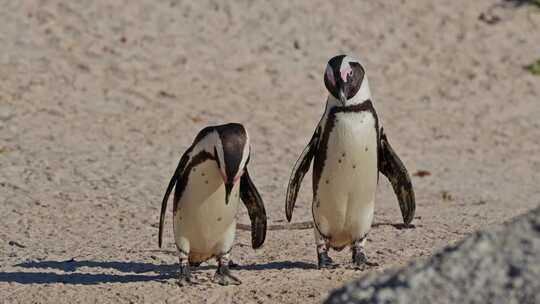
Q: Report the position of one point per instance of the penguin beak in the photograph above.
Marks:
(228, 189)
(342, 97)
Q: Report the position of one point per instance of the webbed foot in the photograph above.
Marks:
(224, 277)
(325, 261)
(359, 258)
(184, 277)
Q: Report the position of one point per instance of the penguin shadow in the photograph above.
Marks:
(398, 226)
(134, 272)
(280, 265)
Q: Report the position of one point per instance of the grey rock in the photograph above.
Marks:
(501, 265)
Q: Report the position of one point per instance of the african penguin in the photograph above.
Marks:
(349, 148)
(210, 180)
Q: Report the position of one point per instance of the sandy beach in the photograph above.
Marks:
(99, 99)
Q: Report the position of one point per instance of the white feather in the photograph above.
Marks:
(344, 203)
(204, 225)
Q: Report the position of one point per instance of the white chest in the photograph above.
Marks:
(344, 203)
(202, 217)
(351, 153)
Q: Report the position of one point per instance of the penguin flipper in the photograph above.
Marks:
(392, 167)
(255, 206)
(181, 166)
(301, 167)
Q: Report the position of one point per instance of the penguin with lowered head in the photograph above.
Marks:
(211, 179)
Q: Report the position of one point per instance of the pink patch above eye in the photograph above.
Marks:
(345, 72)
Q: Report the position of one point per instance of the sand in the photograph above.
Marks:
(98, 100)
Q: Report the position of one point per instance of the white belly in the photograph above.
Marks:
(204, 226)
(343, 205)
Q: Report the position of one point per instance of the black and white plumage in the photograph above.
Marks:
(210, 180)
(348, 148)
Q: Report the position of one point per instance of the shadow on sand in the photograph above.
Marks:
(136, 271)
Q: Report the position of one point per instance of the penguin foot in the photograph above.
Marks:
(325, 261)
(185, 281)
(360, 261)
(184, 278)
(224, 277)
(359, 258)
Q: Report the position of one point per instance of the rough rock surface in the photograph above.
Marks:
(497, 266)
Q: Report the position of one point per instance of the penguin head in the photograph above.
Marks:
(345, 79)
(232, 154)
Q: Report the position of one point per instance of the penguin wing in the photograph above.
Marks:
(255, 206)
(392, 167)
(299, 171)
(175, 178)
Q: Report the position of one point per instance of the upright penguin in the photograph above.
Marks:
(210, 180)
(349, 149)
